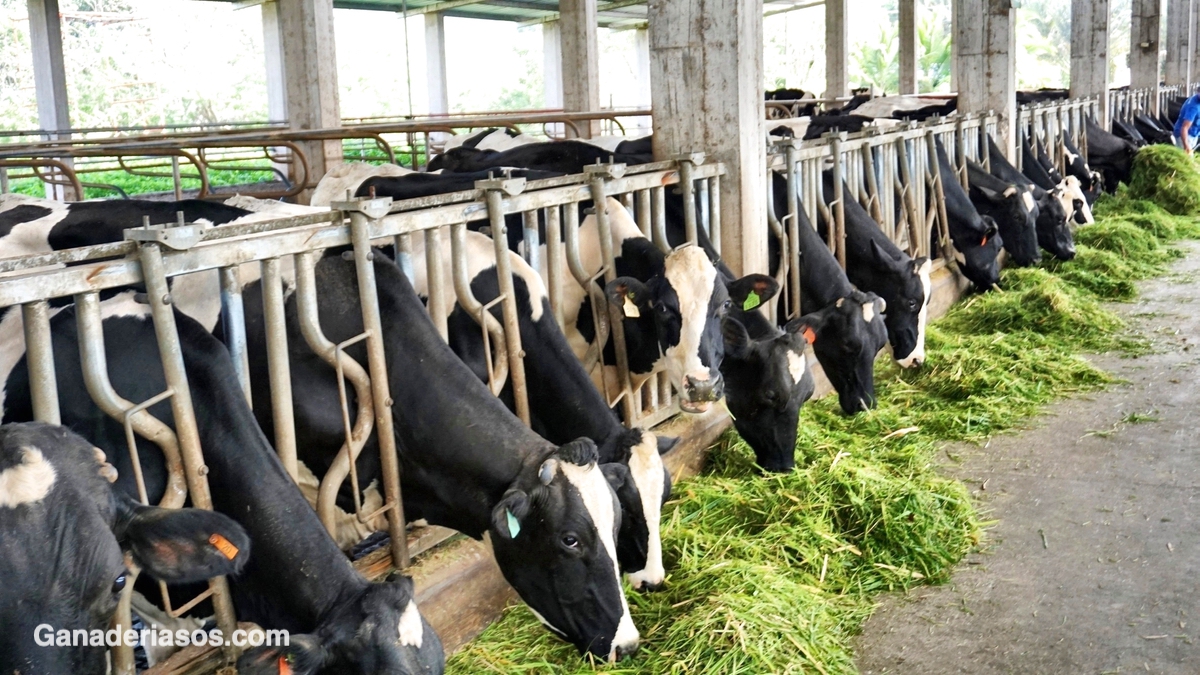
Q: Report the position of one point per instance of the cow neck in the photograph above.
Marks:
(278, 588)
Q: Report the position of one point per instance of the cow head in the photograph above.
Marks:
(461, 159)
(554, 537)
(682, 307)
(642, 485)
(1053, 230)
(978, 255)
(1072, 191)
(378, 631)
(907, 293)
(66, 532)
(846, 336)
(1014, 209)
(767, 377)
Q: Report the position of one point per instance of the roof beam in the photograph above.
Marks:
(602, 7)
(442, 7)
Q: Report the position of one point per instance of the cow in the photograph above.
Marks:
(1109, 155)
(1053, 233)
(66, 530)
(767, 378)
(467, 462)
(1090, 182)
(491, 139)
(1070, 193)
(346, 177)
(1042, 95)
(844, 326)
(564, 156)
(913, 108)
(297, 579)
(797, 109)
(1152, 130)
(875, 264)
(976, 237)
(1013, 209)
(1126, 130)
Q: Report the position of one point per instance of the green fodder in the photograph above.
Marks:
(1144, 214)
(1111, 255)
(1168, 177)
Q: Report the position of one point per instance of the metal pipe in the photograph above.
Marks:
(793, 232)
(714, 220)
(360, 234)
(530, 236)
(555, 262)
(435, 276)
(404, 256)
(658, 221)
(278, 369)
(233, 322)
(468, 301)
(186, 430)
(575, 265)
(508, 308)
(689, 200)
(39, 359)
(364, 421)
(839, 204)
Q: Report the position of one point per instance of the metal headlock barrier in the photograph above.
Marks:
(1050, 123)
(893, 175)
(1124, 104)
(200, 155)
(157, 255)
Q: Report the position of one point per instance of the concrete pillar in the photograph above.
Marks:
(50, 78)
(578, 24)
(435, 63)
(552, 69)
(837, 48)
(641, 47)
(1089, 52)
(310, 65)
(1144, 27)
(706, 73)
(1180, 42)
(273, 53)
(908, 46)
(985, 54)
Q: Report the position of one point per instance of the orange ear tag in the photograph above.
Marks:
(810, 335)
(984, 242)
(285, 668)
(225, 546)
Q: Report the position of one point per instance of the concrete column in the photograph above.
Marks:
(985, 51)
(273, 53)
(552, 69)
(580, 59)
(50, 78)
(1089, 52)
(706, 73)
(310, 65)
(435, 63)
(908, 46)
(1179, 42)
(837, 48)
(641, 46)
(1144, 45)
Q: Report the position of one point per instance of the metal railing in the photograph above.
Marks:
(1125, 103)
(1051, 122)
(893, 175)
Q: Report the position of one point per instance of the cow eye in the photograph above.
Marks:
(570, 541)
(728, 304)
(119, 584)
(662, 307)
(912, 304)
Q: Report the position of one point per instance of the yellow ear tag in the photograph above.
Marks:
(630, 310)
(751, 301)
(514, 526)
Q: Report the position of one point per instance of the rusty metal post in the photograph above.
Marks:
(39, 358)
(234, 323)
(278, 367)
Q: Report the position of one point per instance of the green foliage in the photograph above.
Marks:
(1165, 175)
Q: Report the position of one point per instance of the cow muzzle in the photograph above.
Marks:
(697, 394)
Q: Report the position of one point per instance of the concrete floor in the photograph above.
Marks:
(1093, 565)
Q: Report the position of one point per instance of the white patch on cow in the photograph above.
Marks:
(797, 364)
(348, 529)
(692, 275)
(412, 632)
(839, 302)
(497, 140)
(1071, 157)
(1072, 193)
(547, 624)
(1027, 196)
(646, 468)
(918, 352)
(30, 237)
(598, 499)
(28, 482)
(1010, 191)
(886, 106)
(608, 143)
(348, 176)
(868, 311)
(480, 253)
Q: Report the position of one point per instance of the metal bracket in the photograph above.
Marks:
(607, 171)
(696, 158)
(508, 185)
(373, 208)
(178, 237)
(783, 144)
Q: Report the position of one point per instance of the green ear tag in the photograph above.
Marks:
(751, 302)
(514, 527)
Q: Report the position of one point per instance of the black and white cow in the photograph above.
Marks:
(1053, 233)
(976, 237)
(1109, 155)
(766, 372)
(1038, 168)
(297, 580)
(466, 461)
(796, 110)
(1152, 130)
(913, 108)
(564, 156)
(1127, 130)
(61, 555)
(1042, 95)
(844, 326)
(875, 264)
(1014, 210)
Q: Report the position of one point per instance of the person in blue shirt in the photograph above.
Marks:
(1187, 127)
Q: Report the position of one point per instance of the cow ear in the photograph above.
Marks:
(989, 194)
(580, 452)
(881, 256)
(304, 655)
(509, 514)
(922, 265)
(737, 340)
(628, 294)
(807, 327)
(181, 545)
(752, 290)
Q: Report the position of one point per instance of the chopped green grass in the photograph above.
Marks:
(1167, 176)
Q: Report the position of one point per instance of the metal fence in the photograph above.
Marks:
(1051, 122)
(893, 175)
(155, 255)
(1124, 104)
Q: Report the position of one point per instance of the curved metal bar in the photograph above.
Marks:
(575, 264)
(466, 298)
